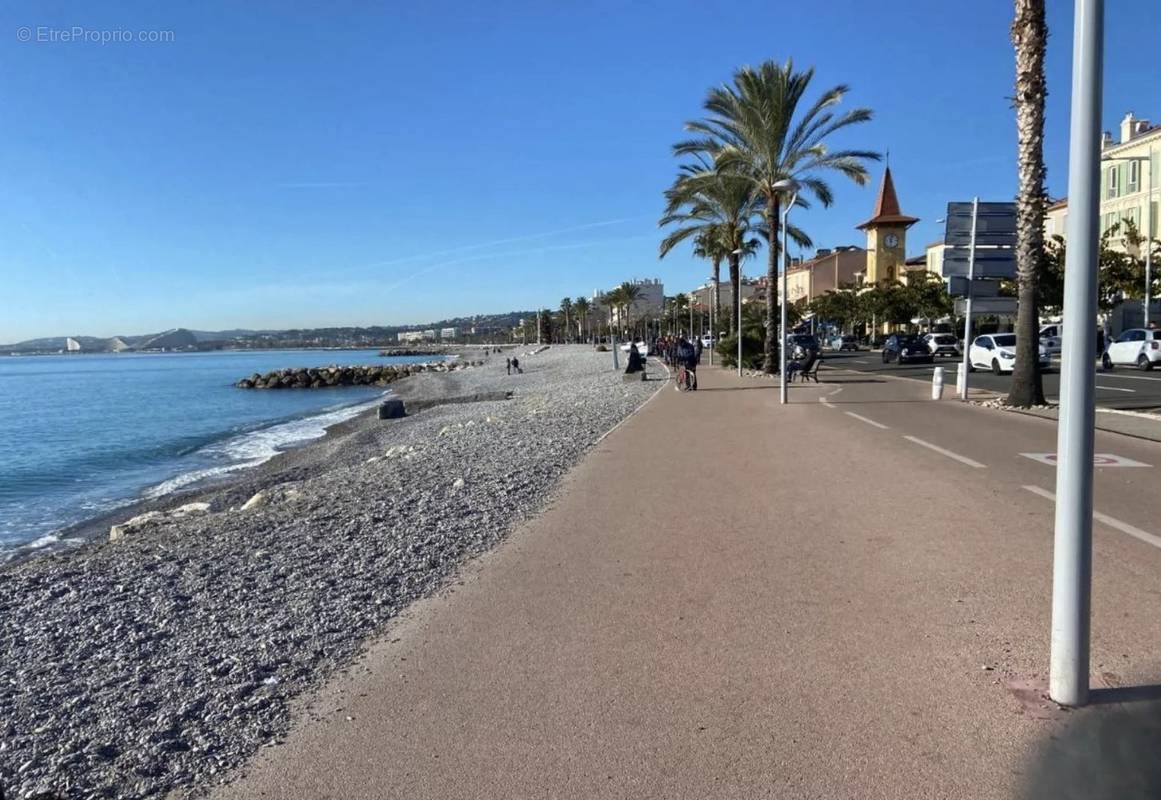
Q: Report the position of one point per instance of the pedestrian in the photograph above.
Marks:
(516, 365)
(509, 366)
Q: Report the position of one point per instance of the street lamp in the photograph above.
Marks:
(790, 186)
(1148, 221)
(713, 302)
(738, 332)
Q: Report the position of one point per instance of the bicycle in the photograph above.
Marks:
(685, 378)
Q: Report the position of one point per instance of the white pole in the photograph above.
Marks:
(713, 339)
(739, 331)
(1149, 236)
(782, 329)
(1068, 679)
(967, 322)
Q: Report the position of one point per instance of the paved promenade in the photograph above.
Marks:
(732, 599)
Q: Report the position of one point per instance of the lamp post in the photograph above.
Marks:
(740, 256)
(791, 186)
(713, 338)
(1148, 221)
(1068, 676)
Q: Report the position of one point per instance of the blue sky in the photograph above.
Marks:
(278, 165)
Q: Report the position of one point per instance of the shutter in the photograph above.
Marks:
(1122, 179)
(1104, 184)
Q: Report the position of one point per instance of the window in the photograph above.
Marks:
(1110, 183)
(1131, 336)
(1134, 176)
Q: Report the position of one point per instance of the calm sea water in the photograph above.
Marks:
(84, 434)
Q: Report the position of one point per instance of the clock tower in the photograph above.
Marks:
(886, 236)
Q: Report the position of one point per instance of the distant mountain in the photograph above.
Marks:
(478, 326)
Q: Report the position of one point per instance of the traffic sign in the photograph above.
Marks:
(1005, 306)
(990, 263)
(957, 286)
(995, 225)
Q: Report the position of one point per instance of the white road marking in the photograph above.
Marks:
(1098, 460)
(826, 403)
(1120, 377)
(948, 453)
(1114, 389)
(1105, 519)
(861, 418)
(859, 361)
(836, 391)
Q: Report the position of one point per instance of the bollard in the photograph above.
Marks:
(937, 384)
(959, 382)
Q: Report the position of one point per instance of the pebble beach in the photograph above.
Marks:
(155, 665)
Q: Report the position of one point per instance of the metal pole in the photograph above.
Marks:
(613, 338)
(538, 327)
(783, 388)
(739, 331)
(1149, 236)
(967, 322)
(713, 339)
(1072, 550)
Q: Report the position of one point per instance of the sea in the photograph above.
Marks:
(85, 434)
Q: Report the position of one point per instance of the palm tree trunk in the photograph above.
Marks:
(736, 282)
(770, 362)
(717, 299)
(1029, 36)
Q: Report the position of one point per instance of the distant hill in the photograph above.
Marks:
(178, 339)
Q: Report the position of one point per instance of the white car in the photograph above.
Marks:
(1050, 337)
(1137, 347)
(707, 342)
(997, 352)
(943, 344)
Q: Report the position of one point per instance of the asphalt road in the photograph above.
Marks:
(1118, 388)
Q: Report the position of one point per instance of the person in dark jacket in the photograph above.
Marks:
(687, 357)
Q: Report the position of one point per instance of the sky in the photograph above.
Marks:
(215, 165)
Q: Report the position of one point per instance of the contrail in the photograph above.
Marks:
(511, 240)
(509, 254)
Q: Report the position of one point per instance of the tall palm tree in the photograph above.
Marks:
(566, 310)
(1030, 38)
(721, 211)
(581, 307)
(613, 300)
(680, 306)
(756, 128)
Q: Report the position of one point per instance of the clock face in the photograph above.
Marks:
(891, 240)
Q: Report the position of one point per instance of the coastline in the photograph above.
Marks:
(178, 650)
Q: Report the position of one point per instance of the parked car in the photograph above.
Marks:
(847, 342)
(1050, 337)
(905, 348)
(1135, 347)
(997, 352)
(943, 344)
(707, 341)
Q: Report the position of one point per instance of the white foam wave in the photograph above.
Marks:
(251, 449)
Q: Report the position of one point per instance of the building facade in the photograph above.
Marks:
(650, 301)
(1129, 191)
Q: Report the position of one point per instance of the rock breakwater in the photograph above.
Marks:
(322, 377)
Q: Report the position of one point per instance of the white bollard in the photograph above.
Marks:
(959, 379)
(937, 384)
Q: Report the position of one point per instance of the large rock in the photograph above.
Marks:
(392, 409)
(118, 532)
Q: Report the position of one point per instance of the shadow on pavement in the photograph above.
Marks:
(1102, 753)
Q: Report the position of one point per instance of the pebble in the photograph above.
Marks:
(178, 651)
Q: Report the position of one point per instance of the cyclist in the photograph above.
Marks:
(687, 357)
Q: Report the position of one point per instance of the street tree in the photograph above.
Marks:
(757, 128)
(1030, 38)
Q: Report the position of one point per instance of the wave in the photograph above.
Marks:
(255, 447)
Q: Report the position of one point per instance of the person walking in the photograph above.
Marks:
(687, 357)
(509, 366)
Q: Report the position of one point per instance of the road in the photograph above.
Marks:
(858, 607)
(1122, 387)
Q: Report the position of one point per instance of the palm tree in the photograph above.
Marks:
(1030, 37)
(756, 128)
(721, 211)
(566, 310)
(581, 307)
(630, 294)
(680, 306)
(613, 300)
